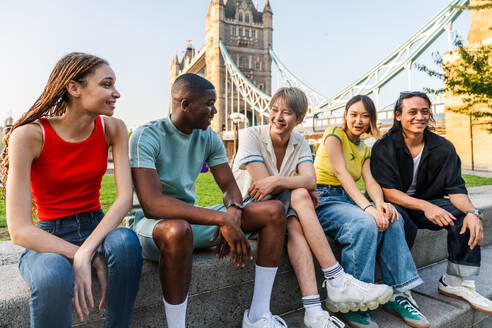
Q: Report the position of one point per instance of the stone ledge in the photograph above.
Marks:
(216, 288)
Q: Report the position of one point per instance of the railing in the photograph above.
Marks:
(316, 125)
(371, 82)
(238, 87)
(314, 97)
(401, 58)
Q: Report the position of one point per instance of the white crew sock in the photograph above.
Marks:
(264, 278)
(334, 275)
(395, 294)
(453, 281)
(175, 314)
(407, 294)
(312, 304)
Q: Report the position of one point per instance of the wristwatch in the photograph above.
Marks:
(236, 205)
(476, 212)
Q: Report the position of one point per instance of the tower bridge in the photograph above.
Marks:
(237, 58)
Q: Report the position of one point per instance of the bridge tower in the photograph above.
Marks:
(246, 32)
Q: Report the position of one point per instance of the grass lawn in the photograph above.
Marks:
(3, 222)
(470, 180)
(475, 180)
(108, 192)
(209, 193)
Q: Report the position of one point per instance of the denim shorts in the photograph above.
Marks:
(283, 197)
(144, 227)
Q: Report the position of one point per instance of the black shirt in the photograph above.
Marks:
(439, 171)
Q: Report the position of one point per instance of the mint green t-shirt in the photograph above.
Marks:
(176, 156)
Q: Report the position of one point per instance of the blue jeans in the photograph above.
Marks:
(50, 275)
(362, 243)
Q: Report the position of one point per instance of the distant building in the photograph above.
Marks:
(472, 142)
(7, 125)
(246, 32)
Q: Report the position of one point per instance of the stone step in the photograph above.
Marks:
(219, 292)
(440, 310)
(217, 289)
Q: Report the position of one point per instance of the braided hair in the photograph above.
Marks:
(54, 100)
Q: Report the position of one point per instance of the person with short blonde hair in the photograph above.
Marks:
(293, 98)
(265, 165)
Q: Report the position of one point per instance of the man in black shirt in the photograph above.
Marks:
(417, 169)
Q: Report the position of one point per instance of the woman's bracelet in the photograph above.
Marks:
(365, 208)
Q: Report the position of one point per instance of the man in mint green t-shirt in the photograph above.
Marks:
(166, 158)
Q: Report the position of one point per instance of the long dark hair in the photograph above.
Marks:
(399, 103)
(371, 110)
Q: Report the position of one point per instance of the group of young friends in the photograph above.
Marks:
(56, 155)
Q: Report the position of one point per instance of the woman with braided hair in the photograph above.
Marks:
(56, 154)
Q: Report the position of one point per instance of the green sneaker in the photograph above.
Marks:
(359, 319)
(405, 307)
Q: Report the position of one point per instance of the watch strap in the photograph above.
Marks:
(476, 212)
(236, 205)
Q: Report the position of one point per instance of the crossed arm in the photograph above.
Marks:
(156, 205)
(265, 184)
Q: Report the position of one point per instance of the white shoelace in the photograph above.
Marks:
(336, 322)
(332, 321)
(274, 321)
(408, 304)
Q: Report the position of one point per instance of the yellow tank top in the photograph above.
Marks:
(354, 153)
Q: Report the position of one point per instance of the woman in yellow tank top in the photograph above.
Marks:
(359, 223)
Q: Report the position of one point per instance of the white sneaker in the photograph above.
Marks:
(266, 321)
(322, 319)
(468, 293)
(356, 295)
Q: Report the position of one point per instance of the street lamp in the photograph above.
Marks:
(236, 119)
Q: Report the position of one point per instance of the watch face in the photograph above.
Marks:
(476, 212)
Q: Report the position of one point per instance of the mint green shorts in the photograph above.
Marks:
(144, 227)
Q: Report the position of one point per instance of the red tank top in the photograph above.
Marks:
(66, 178)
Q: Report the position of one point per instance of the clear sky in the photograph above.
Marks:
(328, 44)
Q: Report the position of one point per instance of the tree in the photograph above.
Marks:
(467, 72)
